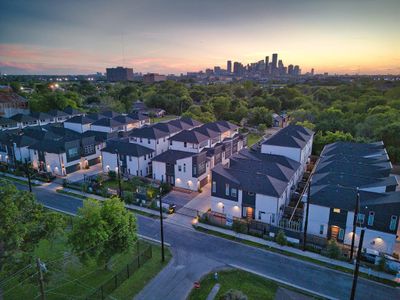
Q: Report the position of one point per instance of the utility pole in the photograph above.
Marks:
(28, 174)
(161, 227)
(41, 284)
(119, 175)
(307, 210)
(354, 224)
(355, 277)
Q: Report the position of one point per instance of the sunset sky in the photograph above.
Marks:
(174, 36)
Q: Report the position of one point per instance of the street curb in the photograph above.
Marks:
(284, 282)
(153, 240)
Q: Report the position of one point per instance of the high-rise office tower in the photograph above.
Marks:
(119, 74)
(229, 66)
(296, 70)
(290, 70)
(267, 64)
(312, 72)
(274, 61)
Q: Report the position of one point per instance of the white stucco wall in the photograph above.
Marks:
(293, 153)
(159, 169)
(77, 127)
(270, 208)
(180, 146)
(227, 207)
(318, 215)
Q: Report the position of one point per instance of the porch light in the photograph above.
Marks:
(236, 207)
(220, 204)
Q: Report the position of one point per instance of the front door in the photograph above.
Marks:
(334, 232)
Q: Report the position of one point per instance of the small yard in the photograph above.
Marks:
(253, 138)
(163, 119)
(253, 286)
(68, 278)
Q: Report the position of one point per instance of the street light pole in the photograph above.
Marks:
(119, 175)
(355, 277)
(355, 224)
(307, 211)
(161, 227)
(28, 174)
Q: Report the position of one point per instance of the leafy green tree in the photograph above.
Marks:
(102, 230)
(306, 124)
(322, 139)
(281, 238)
(333, 249)
(23, 223)
(260, 115)
(331, 119)
(221, 104)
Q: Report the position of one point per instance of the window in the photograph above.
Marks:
(321, 229)
(148, 141)
(179, 168)
(214, 187)
(360, 219)
(141, 173)
(130, 159)
(227, 189)
(371, 217)
(73, 152)
(250, 193)
(341, 234)
(170, 143)
(260, 213)
(88, 149)
(144, 157)
(336, 210)
(185, 144)
(393, 222)
(141, 140)
(233, 192)
(184, 167)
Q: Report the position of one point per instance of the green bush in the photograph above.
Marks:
(128, 197)
(239, 226)
(281, 238)
(112, 175)
(381, 263)
(166, 188)
(234, 295)
(333, 249)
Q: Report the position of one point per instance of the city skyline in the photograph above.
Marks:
(343, 37)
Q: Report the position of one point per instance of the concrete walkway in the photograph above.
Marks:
(308, 254)
(214, 292)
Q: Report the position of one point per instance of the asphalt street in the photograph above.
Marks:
(195, 254)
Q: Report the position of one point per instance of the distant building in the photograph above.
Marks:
(229, 66)
(12, 103)
(119, 74)
(290, 69)
(296, 70)
(153, 77)
(274, 63)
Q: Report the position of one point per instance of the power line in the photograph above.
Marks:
(15, 286)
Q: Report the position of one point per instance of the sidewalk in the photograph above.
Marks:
(295, 251)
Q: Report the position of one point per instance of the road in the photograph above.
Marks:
(195, 254)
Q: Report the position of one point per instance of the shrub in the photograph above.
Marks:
(112, 175)
(381, 263)
(166, 188)
(239, 226)
(128, 197)
(333, 249)
(234, 295)
(281, 238)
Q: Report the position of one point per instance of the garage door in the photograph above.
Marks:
(94, 161)
(204, 181)
(72, 168)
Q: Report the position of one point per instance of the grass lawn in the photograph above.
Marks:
(67, 278)
(113, 184)
(162, 119)
(253, 286)
(253, 138)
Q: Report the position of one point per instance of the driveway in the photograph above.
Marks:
(178, 198)
(202, 202)
(79, 175)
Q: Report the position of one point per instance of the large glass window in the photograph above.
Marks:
(72, 152)
(393, 222)
(227, 189)
(233, 192)
(371, 217)
(214, 187)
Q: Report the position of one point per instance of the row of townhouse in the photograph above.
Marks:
(258, 183)
(52, 148)
(180, 152)
(343, 171)
(194, 153)
(141, 145)
(21, 120)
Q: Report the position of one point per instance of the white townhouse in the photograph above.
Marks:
(343, 171)
(134, 159)
(58, 115)
(107, 125)
(24, 120)
(42, 118)
(8, 124)
(254, 185)
(293, 141)
(79, 123)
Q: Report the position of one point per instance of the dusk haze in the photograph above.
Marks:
(81, 37)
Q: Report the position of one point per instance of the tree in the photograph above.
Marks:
(23, 223)
(333, 249)
(322, 139)
(306, 124)
(221, 105)
(102, 230)
(281, 238)
(260, 115)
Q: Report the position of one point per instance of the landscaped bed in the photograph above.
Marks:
(253, 286)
